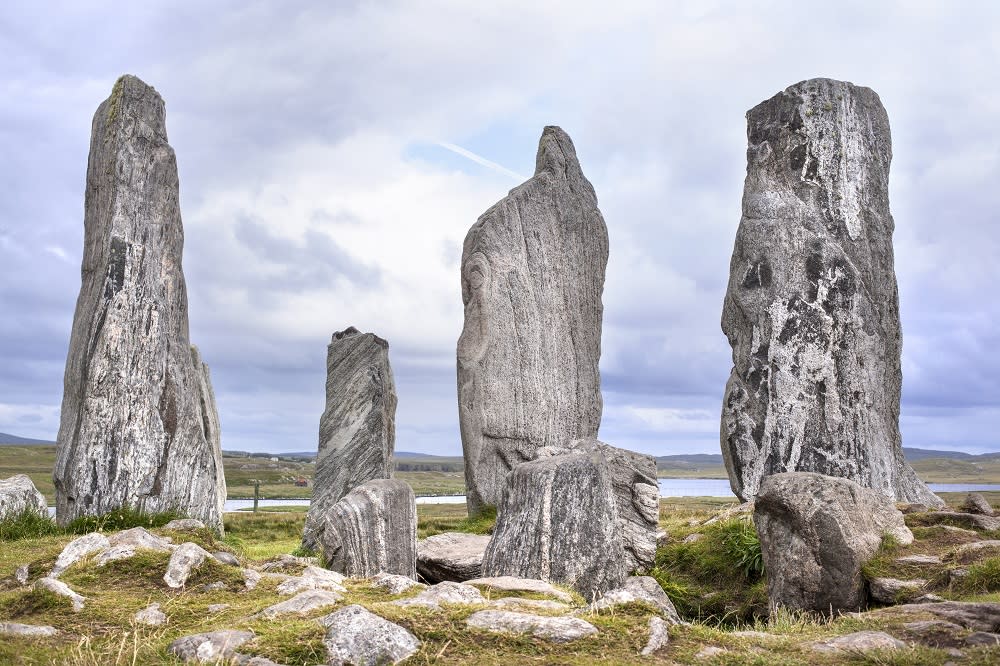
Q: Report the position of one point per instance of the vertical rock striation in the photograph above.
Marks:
(357, 431)
(812, 311)
(532, 278)
(139, 425)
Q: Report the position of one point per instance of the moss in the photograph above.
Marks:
(114, 102)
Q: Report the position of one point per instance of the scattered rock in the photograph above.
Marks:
(313, 578)
(357, 430)
(976, 503)
(217, 608)
(816, 532)
(183, 562)
(957, 574)
(967, 520)
(444, 593)
(251, 578)
(151, 616)
(78, 549)
(919, 560)
(373, 530)
(974, 615)
(710, 651)
(893, 590)
(394, 583)
(453, 556)
(659, 636)
(521, 604)
(859, 641)
(935, 633)
(302, 603)
(209, 647)
(927, 598)
(286, 563)
(123, 552)
(62, 589)
(19, 495)
(21, 574)
(226, 558)
(355, 635)
(181, 524)
(555, 629)
(914, 507)
(693, 538)
(959, 530)
(248, 660)
(213, 587)
(662, 538)
(140, 538)
(981, 638)
(31, 630)
(532, 276)
(968, 553)
(514, 584)
(641, 589)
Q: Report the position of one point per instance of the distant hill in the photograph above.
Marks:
(911, 455)
(6, 438)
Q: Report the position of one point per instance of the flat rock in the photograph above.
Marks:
(982, 638)
(860, 641)
(966, 520)
(895, 591)
(394, 583)
(373, 530)
(976, 503)
(935, 633)
(444, 593)
(140, 538)
(217, 608)
(183, 562)
(19, 495)
(209, 647)
(972, 552)
(355, 635)
(709, 652)
(251, 579)
(302, 603)
(812, 266)
(151, 616)
(62, 589)
(816, 532)
(226, 558)
(305, 582)
(555, 629)
(453, 556)
(659, 636)
(357, 430)
(515, 584)
(919, 560)
(639, 589)
(522, 604)
(284, 563)
(115, 553)
(30, 630)
(974, 615)
(693, 538)
(78, 549)
(182, 524)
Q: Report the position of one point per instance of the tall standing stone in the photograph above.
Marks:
(357, 431)
(812, 311)
(139, 426)
(532, 278)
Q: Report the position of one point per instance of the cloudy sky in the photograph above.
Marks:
(332, 156)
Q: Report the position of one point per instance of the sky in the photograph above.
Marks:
(332, 157)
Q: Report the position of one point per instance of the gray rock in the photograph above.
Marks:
(514, 584)
(659, 636)
(641, 589)
(302, 603)
(141, 539)
(286, 563)
(558, 522)
(183, 562)
(373, 530)
(61, 589)
(968, 553)
(709, 652)
(395, 584)
(920, 560)
(974, 615)
(19, 495)
(78, 549)
(976, 503)
(532, 277)
(935, 633)
(912, 507)
(968, 520)
(529, 605)
(357, 636)
(982, 638)
(444, 593)
(693, 538)
(895, 591)
(217, 608)
(209, 647)
(213, 587)
(226, 558)
(251, 579)
(313, 578)
(555, 629)
(30, 630)
(859, 641)
(21, 574)
(183, 524)
(811, 310)
(148, 437)
(454, 556)
(239, 659)
(151, 616)
(115, 553)
(357, 431)
(816, 532)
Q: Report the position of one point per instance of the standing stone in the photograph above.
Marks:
(812, 311)
(558, 523)
(139, 426)
(532, 277)
(373, 530)
(18, 495)
(357, 431)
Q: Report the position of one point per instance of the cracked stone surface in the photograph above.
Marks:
(860, 641)
(354, 635)
(811, 311)
(555, 629)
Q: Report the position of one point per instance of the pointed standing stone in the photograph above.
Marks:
(357, 431)
(532, 278)
(811, 311)
(138, 426)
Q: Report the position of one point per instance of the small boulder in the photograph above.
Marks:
(968, 553)
(313, 578)
(981, 639)
(859, 641)
(444, 593)
(183, 562)
(151, 616)
(78, 549)
(139, 538)
(21, 574)
(935, 633)
(210, 647)
(19, 495)
(514, 584)
(115, 553)
(555, 629)
(355, 635)
(29, 630)
(895, 591)
(181, 524)
(226, 558)
(217, 608)
(961, 520)
(974, 615)
(302, 603)
(659, 636)
(919, 560)
(394, 583)
(976, 503)
(62, 589)
(522, 604)
(251, 579)
(642, 589)
(285, 563)
(454, 556)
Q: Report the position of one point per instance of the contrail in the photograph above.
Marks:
(458, 150)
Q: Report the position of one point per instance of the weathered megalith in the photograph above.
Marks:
(372, 530)
(812, 311)
(19, 495)
(139, 426)
(558, 523)
(816, 532)
(357, 431)
(532, 278)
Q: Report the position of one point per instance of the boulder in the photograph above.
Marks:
(558, 523)
(895, 591)
(217, 608)
(211, 647)
(61, 589)
(78, 549)
(226, 558)
(976, 503)
(18, 495)
(555, 629)
(816, 532)
(301, 603)
(859, 641)
(514, 584)
(444, 593)
(355, 635)
(811, 310)
(454, 556)
(394, 583)
(532, 277)
(183, 524)
(141, 539)
(642, 589)
(183, 562)
(974, 615)
(357, 431)
(373, 530)
(151, 616)
(313, 578)
(659, 636)
(21, 574)
(29, 630)
(137, 428)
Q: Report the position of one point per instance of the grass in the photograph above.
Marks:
(30, 524)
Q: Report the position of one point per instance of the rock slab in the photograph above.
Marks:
(210, 647)
(138, 426)
(183, 562)
(454, 556)
(357, 636)
(18, 495)
(811, 310)
(555, 629)
(532, 278)
(357, 431)
(816, 532)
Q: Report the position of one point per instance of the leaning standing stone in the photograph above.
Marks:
(532, 278)
(373, 530)
(812, 311)
(357, 431)
(138, 425)
(18, 495)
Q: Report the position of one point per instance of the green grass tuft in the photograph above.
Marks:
(121, 519)
(28, 524)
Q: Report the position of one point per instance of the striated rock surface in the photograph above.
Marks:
(532, 277)
(555, 629)
(558, 523)
(18, 495)
(444, 593)
(357, 431)
(976, 503)
(138, 424)
(811, 311)
(373, 530)
(78, 549)
(816, 532)
(454, 556)
(355, 635)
